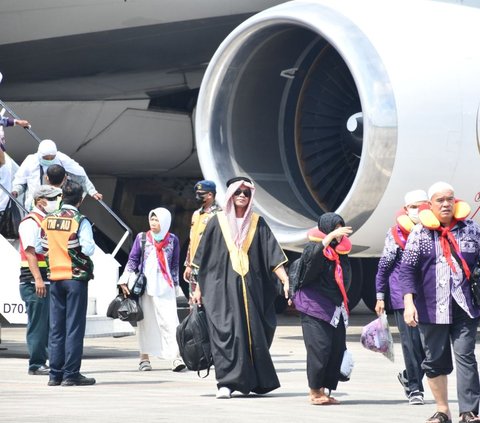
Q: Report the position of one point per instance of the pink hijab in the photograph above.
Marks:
(239, 232)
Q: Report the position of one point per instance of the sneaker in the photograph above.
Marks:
(178, 365)
(145, 366)
(224, 393)
(40, 371)
(402, 378)
(416, 398)
(80, 380)
(54, 382)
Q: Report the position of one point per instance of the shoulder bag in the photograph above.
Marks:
(138, 287)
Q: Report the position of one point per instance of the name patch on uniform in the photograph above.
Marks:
(59, 224)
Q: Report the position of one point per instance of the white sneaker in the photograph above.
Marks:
(224, 393)
(178, 365)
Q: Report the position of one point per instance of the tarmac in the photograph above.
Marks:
(122, 394)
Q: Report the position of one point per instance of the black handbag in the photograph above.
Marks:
(474, 277)
(130, 310)
(10, 220)
(138, 287)
(474, 284)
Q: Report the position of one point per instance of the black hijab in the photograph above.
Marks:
(328, 221)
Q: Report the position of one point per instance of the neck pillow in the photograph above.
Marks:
(429, 220)
(343, 247)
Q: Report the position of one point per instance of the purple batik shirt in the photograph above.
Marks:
(388, 271)
(425, 273)
(310, 301)
(171, 250)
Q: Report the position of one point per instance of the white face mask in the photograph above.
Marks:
(51, 206)
(413, 215)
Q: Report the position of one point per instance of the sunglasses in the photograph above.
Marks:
(246, 192)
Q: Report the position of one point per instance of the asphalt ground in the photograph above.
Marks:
(125, 395)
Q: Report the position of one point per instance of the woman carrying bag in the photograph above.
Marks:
(157, 331)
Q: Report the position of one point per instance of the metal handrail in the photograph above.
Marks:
(12, 197)
(128, 231)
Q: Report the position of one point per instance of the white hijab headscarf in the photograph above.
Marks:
(165, 219)
(239, 232)
(47, 148)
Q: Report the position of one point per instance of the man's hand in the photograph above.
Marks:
(97, 196)
(40, 288)
(22, 123)
(187, 274)
(197, 295)
(410, 314)
(380, 307)
(286, 287)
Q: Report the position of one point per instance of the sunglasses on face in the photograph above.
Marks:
(246, 192)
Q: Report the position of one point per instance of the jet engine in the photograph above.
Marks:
(344, 106)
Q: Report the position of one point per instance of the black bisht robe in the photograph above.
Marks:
(223, 300)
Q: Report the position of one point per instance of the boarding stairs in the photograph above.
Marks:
(101, 290)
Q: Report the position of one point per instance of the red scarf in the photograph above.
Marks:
(161, 255)
(446, 240)
(400, 236)
(332, 255)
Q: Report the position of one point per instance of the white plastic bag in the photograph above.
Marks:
(376, 336)
(347, 365)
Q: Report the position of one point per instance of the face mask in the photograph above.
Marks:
(413, 215)
(46, 163)
(51, 206)
(200, 198)
(157, 236)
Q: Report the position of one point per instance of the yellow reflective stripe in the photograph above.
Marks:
(40, 263)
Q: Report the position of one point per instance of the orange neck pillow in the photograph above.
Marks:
(343, 247)
(429, 220)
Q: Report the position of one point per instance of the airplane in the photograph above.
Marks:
(328, 105)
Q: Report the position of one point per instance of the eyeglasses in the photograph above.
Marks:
(53, 198)
(246, 192)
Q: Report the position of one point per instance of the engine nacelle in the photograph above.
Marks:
(344, 106)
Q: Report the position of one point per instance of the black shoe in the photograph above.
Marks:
(41, 371)
(54, 382)
(80, 380)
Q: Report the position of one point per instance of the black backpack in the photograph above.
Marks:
(194, 342)
(296, 275)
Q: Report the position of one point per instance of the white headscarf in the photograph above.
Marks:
(165, 219)
(47, 148)
(238, 235)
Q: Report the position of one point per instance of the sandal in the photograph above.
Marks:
(469, 417)
(145, 366)
(439, 417)
(324, 400)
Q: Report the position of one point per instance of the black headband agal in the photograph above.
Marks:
(238, 178)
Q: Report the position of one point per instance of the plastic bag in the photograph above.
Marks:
(130, 310)
(347, 366)
(112, 310)
(10, 220)
(376, 336)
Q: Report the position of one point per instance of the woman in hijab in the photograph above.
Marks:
(32, 172)
(323, 304)
(156, 332)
